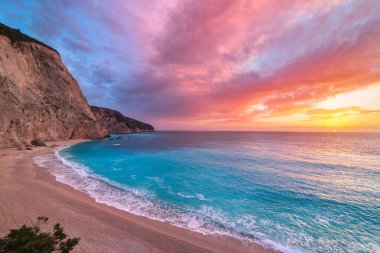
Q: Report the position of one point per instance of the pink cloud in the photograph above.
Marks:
(196, 61)
(218, 59)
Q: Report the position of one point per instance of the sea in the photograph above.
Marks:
(294, 192)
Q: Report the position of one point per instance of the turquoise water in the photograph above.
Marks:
(297, 192)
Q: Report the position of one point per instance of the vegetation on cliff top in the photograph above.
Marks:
(16, 35)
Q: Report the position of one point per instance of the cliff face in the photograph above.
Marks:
(117, 123)
(38, 96)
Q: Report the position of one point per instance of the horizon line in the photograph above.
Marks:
(265, 131)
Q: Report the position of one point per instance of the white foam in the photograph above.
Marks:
(136, 201)
(187, 196)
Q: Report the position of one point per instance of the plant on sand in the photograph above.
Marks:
(31, 239)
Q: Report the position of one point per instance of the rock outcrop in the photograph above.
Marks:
(117, 123)
(39, 98)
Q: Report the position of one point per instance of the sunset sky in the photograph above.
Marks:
(219, 65)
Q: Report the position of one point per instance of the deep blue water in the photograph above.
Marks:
(298, 192)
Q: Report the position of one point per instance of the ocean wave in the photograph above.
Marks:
(207, 220)
(187, 196)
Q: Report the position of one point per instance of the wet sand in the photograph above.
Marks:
(28, 191)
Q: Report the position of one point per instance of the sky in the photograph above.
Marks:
(264, 65)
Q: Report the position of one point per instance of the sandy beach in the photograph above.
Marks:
(28, 191)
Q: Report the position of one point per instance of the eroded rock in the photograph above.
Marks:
(116, 123)
(38, 142)
(39, 98)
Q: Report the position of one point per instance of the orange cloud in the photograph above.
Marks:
(220, 64)
(320, 113)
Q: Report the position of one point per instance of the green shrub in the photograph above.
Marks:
(16, 35)
(33, 240)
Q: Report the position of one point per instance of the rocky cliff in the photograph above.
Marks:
(117, 123)
(38, 96)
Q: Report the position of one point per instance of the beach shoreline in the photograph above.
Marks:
(28, 191)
